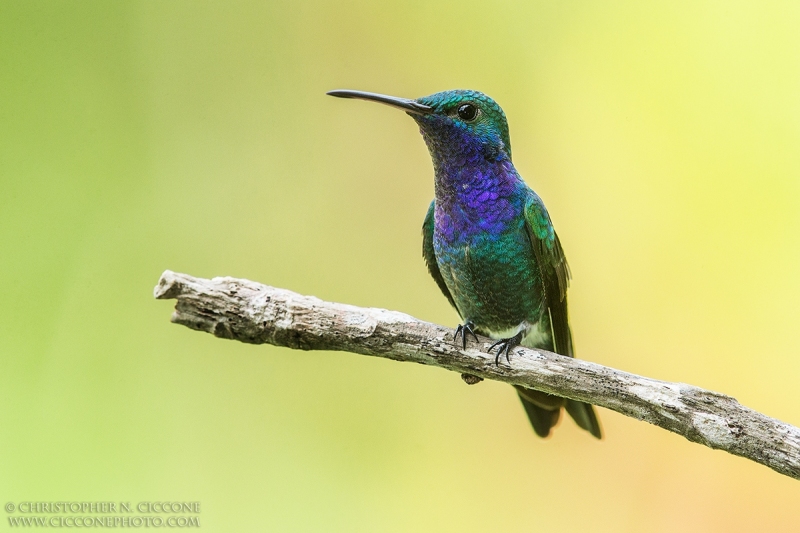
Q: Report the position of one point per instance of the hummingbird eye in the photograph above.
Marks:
(468, 112)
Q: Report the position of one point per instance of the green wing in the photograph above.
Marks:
(554, 271)
(555, 275)
(430, 256)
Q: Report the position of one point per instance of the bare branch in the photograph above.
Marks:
(250, 312)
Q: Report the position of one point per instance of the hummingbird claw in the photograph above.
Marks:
(505, 345)
(464, 330)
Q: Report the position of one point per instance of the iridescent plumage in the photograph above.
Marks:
(488, 240)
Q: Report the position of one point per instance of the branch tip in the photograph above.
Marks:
(169, 286)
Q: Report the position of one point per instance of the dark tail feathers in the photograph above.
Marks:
(544, 411)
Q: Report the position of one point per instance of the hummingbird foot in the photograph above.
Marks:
(464, 330)
(505, 345)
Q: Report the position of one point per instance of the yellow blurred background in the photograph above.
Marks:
(196, 136)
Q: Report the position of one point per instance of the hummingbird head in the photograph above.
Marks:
(460, 124)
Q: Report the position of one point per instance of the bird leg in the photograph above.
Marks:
(506, 345)
(464, 330)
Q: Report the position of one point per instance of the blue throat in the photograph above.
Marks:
(477, 187)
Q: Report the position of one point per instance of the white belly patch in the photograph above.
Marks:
(537, 334)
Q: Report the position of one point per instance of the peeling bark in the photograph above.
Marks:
(250, 312)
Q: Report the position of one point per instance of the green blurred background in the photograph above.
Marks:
(142, 136)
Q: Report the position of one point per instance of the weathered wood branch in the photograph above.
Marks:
(250, 312)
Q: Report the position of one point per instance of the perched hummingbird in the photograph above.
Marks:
(488, 240)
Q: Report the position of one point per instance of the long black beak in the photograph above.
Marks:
(410, 106)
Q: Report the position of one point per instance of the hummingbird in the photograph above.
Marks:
(488, 240)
